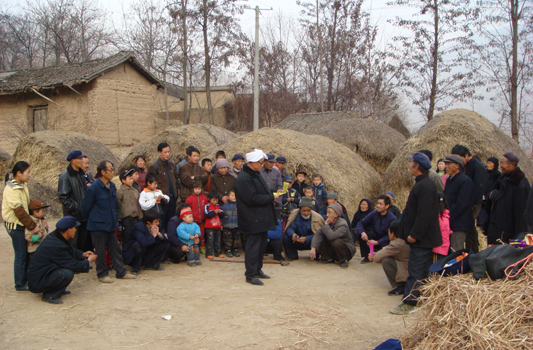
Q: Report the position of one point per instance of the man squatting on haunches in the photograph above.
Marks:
(55, 262)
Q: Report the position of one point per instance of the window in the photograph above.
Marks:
(39, 118)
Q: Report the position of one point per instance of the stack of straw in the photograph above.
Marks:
(461, 313)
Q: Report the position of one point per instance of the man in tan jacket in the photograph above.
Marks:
(394, 258)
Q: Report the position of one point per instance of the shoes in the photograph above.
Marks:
(134, 273)
(202, 250)
(192, 264)
(155, 268)
(105, 279)
(344, 264)
(396, 291)
(210, 257)
(292, 259)
(403, 309)
(221, 256)
(24, 288)
(198, 262)
(128, 276)
(326, 261)
(66, 292)
(236, 253)
(52, 300)
(365, 261)
(263, 275)
(255, 281)
(228, 254)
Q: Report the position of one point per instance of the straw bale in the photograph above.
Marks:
(207, 138)
(5, 160)
(344, 172)
(459, 312)
(375, 142)
(47, 151)
(446, 130)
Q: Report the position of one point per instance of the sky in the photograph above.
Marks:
(379, 12)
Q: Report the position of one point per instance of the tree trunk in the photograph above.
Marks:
(207, 68)
(331, 67)
(514, 72)
(434, 65)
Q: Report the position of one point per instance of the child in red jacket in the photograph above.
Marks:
(197, 200)
(213, 226)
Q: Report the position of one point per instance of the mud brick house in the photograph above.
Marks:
(114, 100)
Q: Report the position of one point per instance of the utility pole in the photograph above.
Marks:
(320, 56)
(256, 69)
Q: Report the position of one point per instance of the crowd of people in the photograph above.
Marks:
(207, 208)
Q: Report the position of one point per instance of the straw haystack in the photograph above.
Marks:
(5, 159)
(376, 142)
(343, 171)
(459, 312)
(47, 151)
(446, 130)
(207, 138)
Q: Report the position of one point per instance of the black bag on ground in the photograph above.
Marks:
(495, 259)
(459, 267)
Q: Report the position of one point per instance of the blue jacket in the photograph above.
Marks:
(100, 207)
(139, 233)
(302, 227)
(276, 233)
(230, 215)
(379, 225)
(185, 231)
(461, 196)
(321, 196)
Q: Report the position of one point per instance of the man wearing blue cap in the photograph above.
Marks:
(280, 164)
(238, 162)
(420, 229)
(71, 189)
(55, 262)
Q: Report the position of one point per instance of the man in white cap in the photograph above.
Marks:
(255, 214)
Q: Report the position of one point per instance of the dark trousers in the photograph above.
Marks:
(127, 224)
(212, 242)
(230, 238)
(58, 282)
(420, 259)
(101, 240)
(21, 257)
(175, 254)
(255, 248)
(82, 239)
(169, 210)
(336, 250)
(390, 267)
(274, 247)
(292, 248)
(363, 245)
(150, 256)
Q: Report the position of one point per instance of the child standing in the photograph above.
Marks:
(135, 176)
(299, 185)
(320, 193)
(207, 164)
(213, 215)
(36, 209)
(290, 200)
(231, 229)
(189, 234)
(197, 200)
(128, 200)
(151, 197)
(309, 193)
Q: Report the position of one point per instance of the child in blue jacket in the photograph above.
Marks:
(189, 234)
(321, 195)
(230, 226)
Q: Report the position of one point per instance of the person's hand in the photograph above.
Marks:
(370, 257)
(364, 236)
(312, 254)
(327, 222)
(154, 230)
(192, 237)
(294, 237)
(301, 240)
(184, 248)
(410, 239)
(45, 225)
(225, 199)
(196, 240)
(92, 258)
(37, 230)
(374, 242)
(87, 254)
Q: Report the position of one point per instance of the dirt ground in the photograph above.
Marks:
(305, 305)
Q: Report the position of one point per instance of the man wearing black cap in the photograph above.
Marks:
(420, 229)
(71, 188)
(280, 164)
(508, 202)
(55, 262)
(238, 161)
(459, 193)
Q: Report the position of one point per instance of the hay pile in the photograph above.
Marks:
(343, 171)
(376, 142)
(207, 138)
(5, 160)
(47, 151)
(446, 130)
(462, 313)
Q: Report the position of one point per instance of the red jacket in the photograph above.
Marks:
(212, 220)
(197, 204)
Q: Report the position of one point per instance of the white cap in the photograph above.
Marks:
(255, 156)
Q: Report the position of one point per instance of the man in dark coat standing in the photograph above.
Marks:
(55, 262)
(420, 228)
(508, 198)
(459, 193)
(255, 214)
